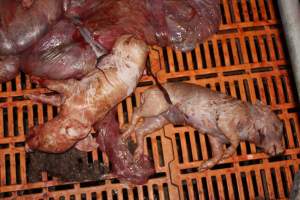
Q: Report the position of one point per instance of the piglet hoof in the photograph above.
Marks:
(28, 96)
(202, 169)
(229, 153)
(32, 97)
(28, 149)
(225, 156)
(205, 166)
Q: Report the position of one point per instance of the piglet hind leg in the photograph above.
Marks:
(136, 116)
(149, 125)
(217, 152)
(153, 104)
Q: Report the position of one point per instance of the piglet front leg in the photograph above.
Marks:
(231, 135)
(54, 100)
(148, 110)
(229, 129)
(148, 126)
(217, 152)
(132, 125)
(64, 87)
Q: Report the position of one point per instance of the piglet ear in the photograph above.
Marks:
(76, 130)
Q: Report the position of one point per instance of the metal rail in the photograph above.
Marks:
(290, 15)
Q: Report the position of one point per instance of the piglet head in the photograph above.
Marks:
(270, 139)
(56, 136)
(131, 50)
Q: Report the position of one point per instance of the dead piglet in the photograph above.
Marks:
(82, 103)
(124, 166)
(224, 119)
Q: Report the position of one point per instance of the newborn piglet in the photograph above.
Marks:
(82, 103)
(224, 119)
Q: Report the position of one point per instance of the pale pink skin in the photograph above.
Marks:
(224, 119)
(86, 101)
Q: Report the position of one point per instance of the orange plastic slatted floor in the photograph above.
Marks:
(246, 59)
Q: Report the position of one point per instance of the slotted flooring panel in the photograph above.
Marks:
(246, 59)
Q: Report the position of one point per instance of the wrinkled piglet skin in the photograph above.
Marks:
(83, 102)
(224, 119)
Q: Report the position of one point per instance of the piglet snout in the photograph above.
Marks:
(28, 149)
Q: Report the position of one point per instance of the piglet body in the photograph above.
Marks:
(88, 100)
(224, 119)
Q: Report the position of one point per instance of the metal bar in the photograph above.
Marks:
(290, 15)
